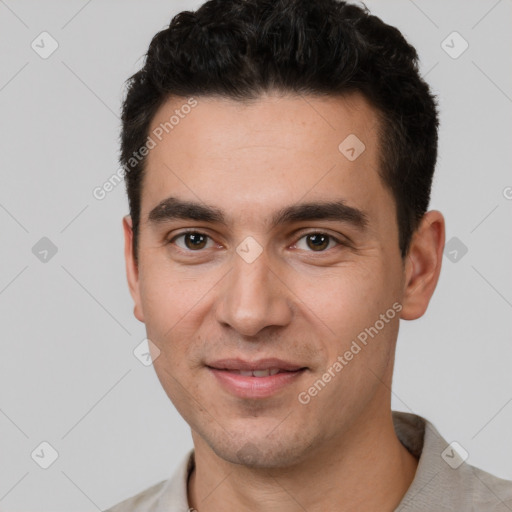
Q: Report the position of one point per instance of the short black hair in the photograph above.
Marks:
(241, 49)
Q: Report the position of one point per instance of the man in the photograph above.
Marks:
(279, 157)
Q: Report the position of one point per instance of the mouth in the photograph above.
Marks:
(257, 379)
(273, 365)
(258, 373)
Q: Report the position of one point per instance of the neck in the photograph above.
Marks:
(369, 469)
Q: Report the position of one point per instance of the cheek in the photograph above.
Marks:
(169, 298)
(175, 307)
(343, 301)
(172, 379)
(166, 326)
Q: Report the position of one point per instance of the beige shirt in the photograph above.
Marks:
(442, 483)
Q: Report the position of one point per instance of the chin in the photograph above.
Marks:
(263, 453)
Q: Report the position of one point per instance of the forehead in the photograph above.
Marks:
(256, 156)
(306, 123)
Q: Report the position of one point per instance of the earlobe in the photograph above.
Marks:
(423, 265)
(132, 271)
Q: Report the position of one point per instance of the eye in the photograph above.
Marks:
(317, 242)
(192, 241)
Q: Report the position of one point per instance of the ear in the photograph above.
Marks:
(132, 271)
(423, 265)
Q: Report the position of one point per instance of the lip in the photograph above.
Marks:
(255, 387)
(260, 364)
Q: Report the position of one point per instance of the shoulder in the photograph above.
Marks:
(444, 481)
(166, 495)
(141, 501)
(488, 492)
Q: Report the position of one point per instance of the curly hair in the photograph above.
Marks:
(241, 49)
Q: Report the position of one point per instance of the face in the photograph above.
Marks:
(263, 245)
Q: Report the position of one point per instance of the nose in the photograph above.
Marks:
(253, 297)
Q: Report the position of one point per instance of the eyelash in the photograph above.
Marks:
(303, 235)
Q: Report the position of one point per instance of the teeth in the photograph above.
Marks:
(261, 373)
(257, 373)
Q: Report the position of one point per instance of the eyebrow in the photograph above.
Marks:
(173, 208)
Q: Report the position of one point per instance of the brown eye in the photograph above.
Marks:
(317, 242)
(191, 241)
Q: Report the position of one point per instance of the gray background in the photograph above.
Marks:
(67, 372)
